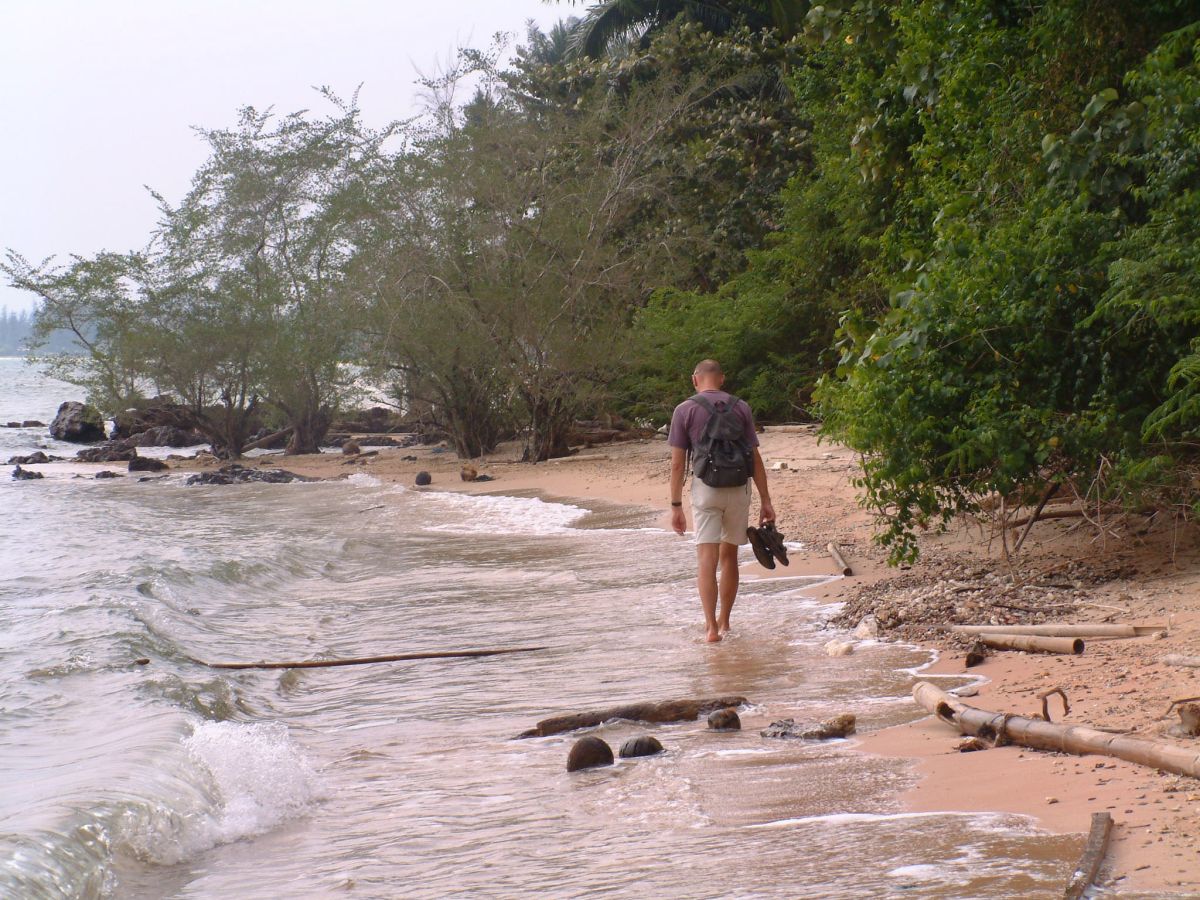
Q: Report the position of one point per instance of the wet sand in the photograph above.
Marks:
(1155, 849)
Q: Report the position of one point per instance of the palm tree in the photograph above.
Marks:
(612, 24)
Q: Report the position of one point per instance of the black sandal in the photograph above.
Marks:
(773, 541)
(761, 553)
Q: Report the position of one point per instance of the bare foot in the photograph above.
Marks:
(723, 628)
(713, 635)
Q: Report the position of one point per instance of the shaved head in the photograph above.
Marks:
(707, 376)
(707, 367)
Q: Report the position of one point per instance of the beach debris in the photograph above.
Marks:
(1178, 659)
(365, 660)
(233, 473)
(1005, 728)
(645, 745)
(1045, 696)
(724, 720)
(423, 479)
(779, 466)
(142, 661)
(107, 473)
(971, 744)
(1060, 629)
(967, 690)
(839, 561)
(78, 423)
(839, 648)
(147, 464)
(684, 710)
(588, 753)
(976, 654)
(1093, 855)
(468, 472)
(351, 448)
(20, 474)
(1189, 717)
(867, 628)
(1033, 643)
(837, 727)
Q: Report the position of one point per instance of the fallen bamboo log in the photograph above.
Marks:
(1178, 659)
(364, 660)
(269, 439)
(1050, 629)
(1093, 856)
(1033, 643)
(664, 711)
(1040, 735)
(838, 559)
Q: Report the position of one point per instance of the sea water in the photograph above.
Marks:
(174, 779)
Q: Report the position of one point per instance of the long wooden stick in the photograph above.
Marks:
(1178, 659)
(1033, 643)
(1093, 855)
(1053, 489)
(683, 710)
(1040, 735)
(364, 660)
(838, 559)
(1095, 630)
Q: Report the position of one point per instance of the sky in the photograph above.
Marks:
(98, 97)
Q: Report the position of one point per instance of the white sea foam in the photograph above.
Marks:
(514, 515)
(259, 777)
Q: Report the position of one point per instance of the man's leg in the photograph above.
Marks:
(706, 582)
(728, 559)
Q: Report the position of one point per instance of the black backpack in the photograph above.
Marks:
(722, 458)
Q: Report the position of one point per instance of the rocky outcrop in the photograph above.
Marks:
(78, 423)
(113, 451)
(20, 474)
(238, 474)
(587, 753)
(838, 727)
(32, 459)
(108, 473)
(167, 436)
(423, 479)
(147, 464)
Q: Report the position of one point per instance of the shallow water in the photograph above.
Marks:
(177, 780)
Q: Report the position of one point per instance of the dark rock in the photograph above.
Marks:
(238, 474)
(151, 414)
(424, 478)
(485, 478)
(725, 720)
(12, 424)
(977, 653)
(167, 436)
(20, 474)
(32, 459)
(113, 451)
(376, 420)
(78, 423)
(587, 753)
(33, 423)
(109, 473)
(351, 448)
(147, 464)
(838, 727)
(377, 440)
(646, 745)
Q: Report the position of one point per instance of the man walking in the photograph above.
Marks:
(720, 513)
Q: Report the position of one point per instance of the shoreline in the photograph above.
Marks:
(1114, 684)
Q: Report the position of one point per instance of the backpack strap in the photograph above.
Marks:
(704, 403)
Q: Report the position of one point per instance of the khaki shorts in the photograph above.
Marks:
(720, 515)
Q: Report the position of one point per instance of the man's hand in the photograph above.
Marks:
(678, 520)
(766, 513)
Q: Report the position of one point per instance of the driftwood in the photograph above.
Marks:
(1053, 489)
(1033, 643)
(269, 439)
(664, 711)
(1178, 659)
(1094, 630)
(838, 559)
(1040, 735)
(364, 660)
(1093, 855)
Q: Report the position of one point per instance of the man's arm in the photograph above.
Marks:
(767, 511)
(678, 464)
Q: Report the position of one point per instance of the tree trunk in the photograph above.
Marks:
(308, 431)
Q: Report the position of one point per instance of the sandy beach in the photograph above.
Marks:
(1135, 571)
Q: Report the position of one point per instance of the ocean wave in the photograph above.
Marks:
(491, 514)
